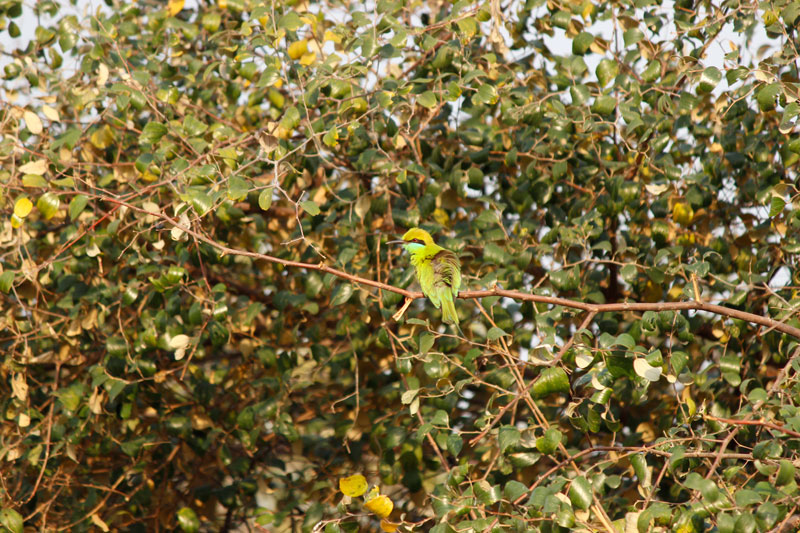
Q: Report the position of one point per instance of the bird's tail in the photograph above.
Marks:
(449, 314)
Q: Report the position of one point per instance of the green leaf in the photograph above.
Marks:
(467, 27)
(580, 493)
(265, 199)
(193, 127)
(514, 490)
(408, 396)
(746, 497)
(786, 473)
(788, 122)
(776, 205)
(566, 279)
(629, 273)
(290, 21)
(640, 468)
(487, 494)
(548, 443)
(427, 99)
(341, 294)
(454, 444)
(331, 137)
(187, 520)
(652, 72)
(11, 520)
(677, 454)
(33, 180)
(606, 70)
(581, 43)
(495, 333)
(487, 94)
(77, 205)
(237, 188)
(632, 36)
(767, 515)
(508, 436)
(152, 133)
(426, 342)
(580, 95)
(310, 207)
(201, 202)
(766, 96)
(709, 79)
(48, 204)
(552, 380)
(524, 459)
(604, 104)
(7, 280)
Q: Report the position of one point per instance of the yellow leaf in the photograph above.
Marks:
(682, 213)
(686, 396)
(675, 293)
(588, 9)
(33, 122)
(22, 207)
(389, 527)
(102, 137)
(353, 486)
(102, 75)
(330, 36)
(441, 216)
(51, 113)
(96, 520)
(380, 505)
(148, 177)
(38, 167)
(298, 49)
(174, 7)
(307, 59)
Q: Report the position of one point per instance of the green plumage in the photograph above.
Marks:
(438, 272)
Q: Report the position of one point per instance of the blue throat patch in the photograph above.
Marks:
(413, 247)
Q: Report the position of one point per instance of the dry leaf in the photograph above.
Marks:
(38, 167)
(33, 122)
(51, 113)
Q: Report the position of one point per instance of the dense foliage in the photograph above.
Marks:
(161, 370)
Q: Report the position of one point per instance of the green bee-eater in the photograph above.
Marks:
(438, 271)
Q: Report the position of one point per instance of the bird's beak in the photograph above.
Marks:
(401, 241)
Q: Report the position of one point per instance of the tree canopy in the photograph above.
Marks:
(200, 327)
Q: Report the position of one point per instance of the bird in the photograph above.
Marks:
(438, 271)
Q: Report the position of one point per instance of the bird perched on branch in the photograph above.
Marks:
(438, 272)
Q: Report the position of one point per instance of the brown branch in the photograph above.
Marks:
(495, 291)
(762, 423)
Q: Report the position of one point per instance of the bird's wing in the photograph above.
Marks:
(447, 270)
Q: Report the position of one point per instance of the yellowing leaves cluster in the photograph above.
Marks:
(377, 503)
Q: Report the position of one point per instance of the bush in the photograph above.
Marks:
(198, 296)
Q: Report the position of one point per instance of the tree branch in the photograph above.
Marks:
(495, 291)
